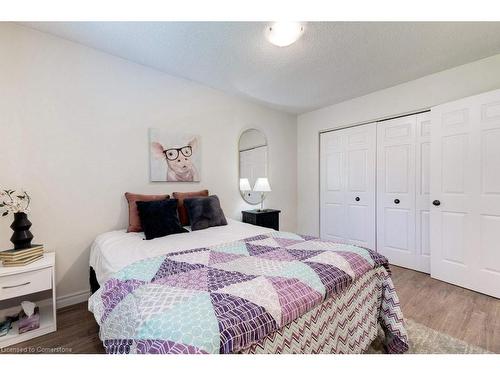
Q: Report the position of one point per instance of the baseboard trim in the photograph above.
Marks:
(72, 299)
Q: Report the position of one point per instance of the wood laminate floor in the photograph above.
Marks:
(458, 312)
(461, 313)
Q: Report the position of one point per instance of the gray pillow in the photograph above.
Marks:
(204, 212)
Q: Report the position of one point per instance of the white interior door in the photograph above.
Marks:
(465, 189)
(396, 140)
(347, 180)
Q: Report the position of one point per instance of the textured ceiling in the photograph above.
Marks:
(332, 62)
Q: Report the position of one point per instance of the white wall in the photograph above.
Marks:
(423, 93)
(73, 132)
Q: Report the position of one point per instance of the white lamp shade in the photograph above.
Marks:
(245, 184)
(262, 185)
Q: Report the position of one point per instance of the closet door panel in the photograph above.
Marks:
(423, 238)
(488, 210)
(335, 169)
(357, 164)
(396, 190)
(334, 216)
(332, 170)
(347, 179)
(422, 193)
(397, 162)
(396, 234)
(360, 187)
(490, 140)
(490, 228)
(358, 231)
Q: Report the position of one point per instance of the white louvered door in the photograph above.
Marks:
(465, 190)
(347, 180)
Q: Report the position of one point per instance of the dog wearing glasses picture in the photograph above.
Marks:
(179, 156)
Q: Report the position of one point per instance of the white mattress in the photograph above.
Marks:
(112, 251)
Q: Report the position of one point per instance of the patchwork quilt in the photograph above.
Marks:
(344, 323)
(228, 297)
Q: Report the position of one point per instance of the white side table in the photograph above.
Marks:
(19, 283)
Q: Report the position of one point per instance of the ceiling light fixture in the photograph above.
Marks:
(283, 34)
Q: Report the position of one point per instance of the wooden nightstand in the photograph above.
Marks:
(34, 282)
(266, 218)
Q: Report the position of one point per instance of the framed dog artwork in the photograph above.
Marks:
(174, 157)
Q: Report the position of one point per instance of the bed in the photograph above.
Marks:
(241, 289)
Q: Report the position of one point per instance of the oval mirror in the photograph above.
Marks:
(252, 149)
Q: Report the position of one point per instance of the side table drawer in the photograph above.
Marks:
(25, 283)
(249, 219)
(270, 220)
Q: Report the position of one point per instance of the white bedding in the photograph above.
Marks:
(112, 251)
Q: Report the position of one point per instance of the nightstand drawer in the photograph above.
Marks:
(265, 218)
(249, 218)
(25, 283)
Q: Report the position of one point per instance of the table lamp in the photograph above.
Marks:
(262, 186)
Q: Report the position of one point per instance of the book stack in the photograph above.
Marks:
(16, 258)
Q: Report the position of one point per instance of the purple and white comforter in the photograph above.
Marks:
(227, 297)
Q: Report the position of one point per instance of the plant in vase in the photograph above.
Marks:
(17, 203)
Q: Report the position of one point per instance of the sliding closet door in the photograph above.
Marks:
(347, 180)
(396, 141)
(465, 189)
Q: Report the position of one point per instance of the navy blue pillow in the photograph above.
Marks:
(204, 212)
(159, 218)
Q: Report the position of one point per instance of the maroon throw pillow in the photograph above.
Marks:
(180, 196)
(134, 222)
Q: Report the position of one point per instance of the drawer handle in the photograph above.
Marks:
(16, 286)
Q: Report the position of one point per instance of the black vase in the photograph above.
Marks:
(21, 238)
